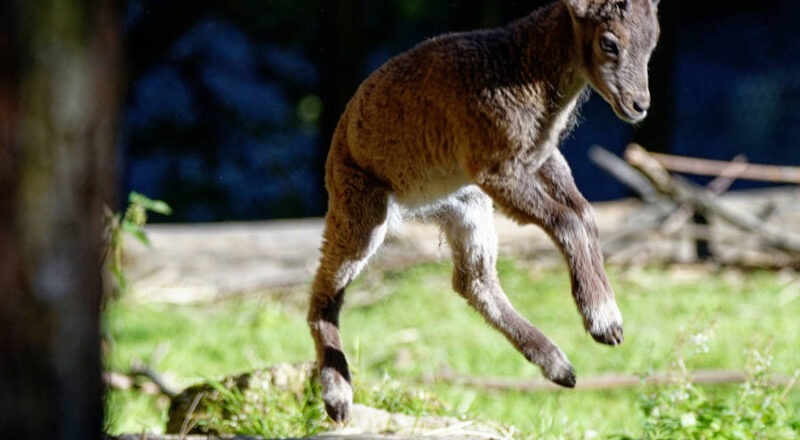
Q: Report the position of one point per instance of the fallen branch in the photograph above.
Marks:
(627, 175)
(657, 209)
(684, 192)
(705, 167)
(609, 382)
(670, 217)
(661, 213)
(717, 186)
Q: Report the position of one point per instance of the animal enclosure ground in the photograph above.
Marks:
(417, 327)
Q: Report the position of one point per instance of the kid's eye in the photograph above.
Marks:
(608, 43)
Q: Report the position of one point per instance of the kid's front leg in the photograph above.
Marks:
(529, 197)
(594, 297)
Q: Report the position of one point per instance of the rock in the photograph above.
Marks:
(190, 408)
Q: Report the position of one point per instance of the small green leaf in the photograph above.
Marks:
(137, 232)
(149, 204)
(160, 207)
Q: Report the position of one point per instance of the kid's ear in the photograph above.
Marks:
(578, 8)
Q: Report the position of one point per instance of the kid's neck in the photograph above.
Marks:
(550, 54)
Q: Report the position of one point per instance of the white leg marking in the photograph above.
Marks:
(605, 317)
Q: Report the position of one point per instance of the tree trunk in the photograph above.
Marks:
(59, 84)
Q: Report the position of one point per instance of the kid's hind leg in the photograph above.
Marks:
(468, 223)
(355, 227)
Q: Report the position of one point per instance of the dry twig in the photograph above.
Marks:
(609, 382)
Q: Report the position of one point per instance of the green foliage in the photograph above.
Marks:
(268, 413)
(759, 409)
(283, 413)
(131, 410)
(393, 396)
(131, 222)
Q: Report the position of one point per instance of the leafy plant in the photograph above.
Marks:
(271, 411)
(268, 413)
(132, 222)
(758, 410)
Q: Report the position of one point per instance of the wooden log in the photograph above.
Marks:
(706, 167)
(683, 191)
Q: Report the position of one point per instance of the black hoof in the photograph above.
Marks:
(566, 380)
(339, 412)
(612, 336)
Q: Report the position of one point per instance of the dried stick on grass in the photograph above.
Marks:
(610, 382)
(154, 385)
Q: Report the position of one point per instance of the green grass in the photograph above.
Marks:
(423, 327)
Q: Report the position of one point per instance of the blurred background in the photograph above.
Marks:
(231, 105)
